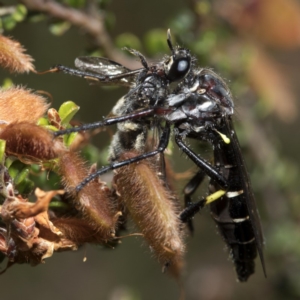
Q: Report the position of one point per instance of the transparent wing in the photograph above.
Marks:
(113, 73)
(100, 65)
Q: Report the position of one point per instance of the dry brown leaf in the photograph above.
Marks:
(18, 104)
(13, 58)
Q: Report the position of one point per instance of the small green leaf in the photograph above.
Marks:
(9, 23)
(69, 139)
(8, 162)
(7, 83)
(15, 168)
(2, 151)
(43, 122)
(67, 111)
(50, 127)
(20, 13)
(59, 28)
(21, 176)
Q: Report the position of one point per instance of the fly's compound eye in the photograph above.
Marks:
(178, 66)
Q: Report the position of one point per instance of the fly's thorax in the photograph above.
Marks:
(153, 90)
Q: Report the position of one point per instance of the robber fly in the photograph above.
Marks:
(203, 109)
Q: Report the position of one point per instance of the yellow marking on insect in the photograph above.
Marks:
(240, 220)
(234, 194)
(224, 137)
(215, 196)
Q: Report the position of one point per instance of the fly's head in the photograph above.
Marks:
(178, 64)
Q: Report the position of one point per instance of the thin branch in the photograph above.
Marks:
(92, 23)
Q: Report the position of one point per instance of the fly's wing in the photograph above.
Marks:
(100, 65)
(111, 72)
(250, 201)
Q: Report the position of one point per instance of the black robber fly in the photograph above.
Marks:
(203, 109)
(200, 108)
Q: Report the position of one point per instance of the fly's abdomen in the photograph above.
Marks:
(231, 216)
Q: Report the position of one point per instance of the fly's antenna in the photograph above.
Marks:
(169, 41)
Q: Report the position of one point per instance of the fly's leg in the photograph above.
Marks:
(194, 208)
(188, 191)
(209, 170)
(106, 122)
(163, 143)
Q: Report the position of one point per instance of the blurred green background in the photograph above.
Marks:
(254, 45)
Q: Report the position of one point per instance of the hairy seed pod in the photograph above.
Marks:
(78, 230)
(30, 142)
(18, 104)
(94, 201)
(12, 56)
(153, 209)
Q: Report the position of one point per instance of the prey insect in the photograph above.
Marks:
(204, 109)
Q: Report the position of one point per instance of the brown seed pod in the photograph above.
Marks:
(154, 210)
(78, 230)
(18, 104)
(30, 142)
(94, 201)
(12, 56)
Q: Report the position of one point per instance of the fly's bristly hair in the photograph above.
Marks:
(153, 209)
(95, 201)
